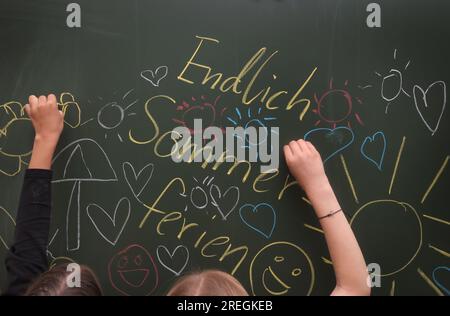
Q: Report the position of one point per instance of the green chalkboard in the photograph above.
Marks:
(373, 100)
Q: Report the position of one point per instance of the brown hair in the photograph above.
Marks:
(53, 283)
(207, 283)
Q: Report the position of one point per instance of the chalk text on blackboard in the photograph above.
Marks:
(164, 140)
(264, 96)
(218, 247)
(239, 140)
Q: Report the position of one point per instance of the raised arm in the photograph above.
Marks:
(306, 166)
(27, 257)
(48, 123)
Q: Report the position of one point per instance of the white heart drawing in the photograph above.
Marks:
(164, 248)
(424, 98)
(215, 200)
(94, 207)
(126, 166)
(159, 74)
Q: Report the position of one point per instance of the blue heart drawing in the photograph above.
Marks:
(371, 139)
(260, 210)
(332, 133)
(443, 288)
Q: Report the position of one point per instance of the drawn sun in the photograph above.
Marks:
(384, 215)
(111, 115)
(251, 118)
(336, 106)
(198, 108)
(392, 83)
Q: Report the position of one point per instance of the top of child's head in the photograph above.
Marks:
(54, 283)
(198, 283)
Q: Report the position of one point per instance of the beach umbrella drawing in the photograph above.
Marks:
(83, 160)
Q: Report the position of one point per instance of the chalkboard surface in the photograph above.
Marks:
(373, 99)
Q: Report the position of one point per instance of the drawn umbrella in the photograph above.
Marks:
(83, 160)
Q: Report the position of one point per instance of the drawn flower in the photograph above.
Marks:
(16, 129)
(14, 150)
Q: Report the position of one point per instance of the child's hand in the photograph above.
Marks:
(306, 166)
(48, 121)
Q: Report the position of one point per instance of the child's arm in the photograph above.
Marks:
(306, 166)
(27, 257)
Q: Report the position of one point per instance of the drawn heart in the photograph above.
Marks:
(155, 77)
(137, 182)
(438, 282)
(375, 139)
(424, 106)
(97, 215)
(218, 199)
(334, 140)
(261, 218)
(7, 224)
(180, 255)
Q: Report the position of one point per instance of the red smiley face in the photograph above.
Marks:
(132, 271)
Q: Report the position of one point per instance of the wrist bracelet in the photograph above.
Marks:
(330, 214)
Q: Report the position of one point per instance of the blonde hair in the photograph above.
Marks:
(207, 283)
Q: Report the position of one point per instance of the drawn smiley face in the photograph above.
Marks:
(132, 271)
(281, 268)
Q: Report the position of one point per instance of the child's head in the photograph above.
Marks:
(54, 283)
(207, 283)
(204, 283)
